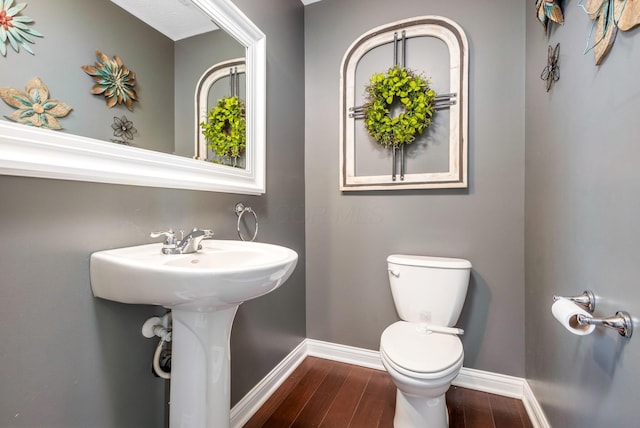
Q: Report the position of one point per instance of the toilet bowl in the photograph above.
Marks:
(422, 366)
(427, 291)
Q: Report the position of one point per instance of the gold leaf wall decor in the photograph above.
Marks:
(547, 11)
(34, 106)
(608, 17)
(629, 13)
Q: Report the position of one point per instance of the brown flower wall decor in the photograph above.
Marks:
(112, 79)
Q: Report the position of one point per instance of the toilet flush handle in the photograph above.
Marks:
(446, 330)
(394, 272)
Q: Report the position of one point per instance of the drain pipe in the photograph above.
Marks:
(159, 327)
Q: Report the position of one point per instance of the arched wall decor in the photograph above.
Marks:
(452, 139)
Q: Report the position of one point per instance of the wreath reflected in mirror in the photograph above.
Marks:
(399, 106)
(226, 129)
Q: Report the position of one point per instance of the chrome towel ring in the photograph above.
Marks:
(240, 210)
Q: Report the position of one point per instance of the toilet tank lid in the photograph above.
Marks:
(428, 261)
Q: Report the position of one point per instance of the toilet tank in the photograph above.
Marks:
(428, 289)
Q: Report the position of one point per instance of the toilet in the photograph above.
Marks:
(422, 353)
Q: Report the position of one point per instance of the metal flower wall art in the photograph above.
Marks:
(123, 129)
(551, 72)
(112, 79)
(34, 106)
(549, 10)
(15, 28)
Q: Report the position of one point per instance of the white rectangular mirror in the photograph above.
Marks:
(35, 152)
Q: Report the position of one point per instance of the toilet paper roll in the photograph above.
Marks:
(566, 312)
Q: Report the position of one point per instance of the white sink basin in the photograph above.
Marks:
(203, 290)
(221, 274)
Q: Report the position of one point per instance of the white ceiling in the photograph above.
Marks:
(307, 2)
(169, 16)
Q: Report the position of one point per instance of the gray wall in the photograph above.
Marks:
(69, 360)
(582, 228)
(350, 235)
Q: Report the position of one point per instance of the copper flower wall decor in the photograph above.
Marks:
(113, 79)
(34, 106)
(14, 28)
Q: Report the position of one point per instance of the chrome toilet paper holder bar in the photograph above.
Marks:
(621, 322)
(587, 300)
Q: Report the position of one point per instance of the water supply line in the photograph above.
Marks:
(159, 327)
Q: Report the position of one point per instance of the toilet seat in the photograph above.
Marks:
(416, 353)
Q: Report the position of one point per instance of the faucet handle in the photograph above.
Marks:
(169, 237)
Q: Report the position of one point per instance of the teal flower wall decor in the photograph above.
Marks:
(113, 79)
(34, 106)
(548, 11)
(14, 28)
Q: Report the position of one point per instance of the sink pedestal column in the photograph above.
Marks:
(200, 369)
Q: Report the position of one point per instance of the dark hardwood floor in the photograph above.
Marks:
(329, 394)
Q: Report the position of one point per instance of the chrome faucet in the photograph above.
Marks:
(186, 244)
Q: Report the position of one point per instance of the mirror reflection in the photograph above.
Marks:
(165, 47)
(221, 114)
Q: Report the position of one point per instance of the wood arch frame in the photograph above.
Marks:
(456, 176)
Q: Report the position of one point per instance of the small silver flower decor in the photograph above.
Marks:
(14, 28)
(123, 128)
(551, 73)
(34, 107)
(113, 79)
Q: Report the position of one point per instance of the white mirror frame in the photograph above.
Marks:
(32, 152)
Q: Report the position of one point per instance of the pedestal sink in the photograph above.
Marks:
(203, 290)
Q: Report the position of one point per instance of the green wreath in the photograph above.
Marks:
(414, 95)
(226, 128)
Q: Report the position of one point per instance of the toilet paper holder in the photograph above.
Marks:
(587, 300)
(621, 321)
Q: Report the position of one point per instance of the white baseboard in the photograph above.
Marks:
(494, 383)
(254, 399)
(344, 354)
(534, 410)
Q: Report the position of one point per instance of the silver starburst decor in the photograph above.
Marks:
(123, 129)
